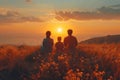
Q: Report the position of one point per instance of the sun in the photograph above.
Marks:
(59, 30)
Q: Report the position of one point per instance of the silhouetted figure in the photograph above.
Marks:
(70, 42)
(59, 46)
(47, 43)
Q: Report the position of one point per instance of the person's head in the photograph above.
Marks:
(48, 33)
(59, 39)
(70, 31)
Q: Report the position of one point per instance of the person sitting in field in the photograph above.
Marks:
(70, 42)
(59, 46)
(47, 43)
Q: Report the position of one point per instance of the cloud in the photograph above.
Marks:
(11, 16)
(28, 1)
(118, 5)
(103, 13)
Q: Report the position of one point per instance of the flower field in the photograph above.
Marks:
(89, 62)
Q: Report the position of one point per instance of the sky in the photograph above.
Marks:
(26, 21)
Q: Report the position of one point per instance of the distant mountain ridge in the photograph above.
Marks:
(105, 39)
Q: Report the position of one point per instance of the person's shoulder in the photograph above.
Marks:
(56, 42)
(48, 38)
(73, 37)
(44, 39)
(51, 39)
(61, 43)
(66, 37)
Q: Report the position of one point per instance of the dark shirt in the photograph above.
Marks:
(70, 42)
(59, 47)
(48, 45)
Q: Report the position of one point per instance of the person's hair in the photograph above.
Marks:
(59, 38)
(70, 31)
(48, 33)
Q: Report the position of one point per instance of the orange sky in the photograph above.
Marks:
(26, 21)
(33, 33)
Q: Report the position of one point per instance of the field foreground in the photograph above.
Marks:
(90, 62)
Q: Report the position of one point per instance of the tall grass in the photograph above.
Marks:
(90, 62)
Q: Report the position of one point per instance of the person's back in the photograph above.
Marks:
(59, 46)
(70, 42)
(47, 43)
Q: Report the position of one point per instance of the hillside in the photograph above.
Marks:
(105, 39)
(91, 62)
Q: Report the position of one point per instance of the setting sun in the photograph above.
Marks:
(59, 30)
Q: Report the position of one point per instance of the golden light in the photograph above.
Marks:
(59, 30)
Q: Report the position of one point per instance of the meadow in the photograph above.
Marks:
(90, 62)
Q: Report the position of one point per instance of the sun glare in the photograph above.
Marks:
(59, 30)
